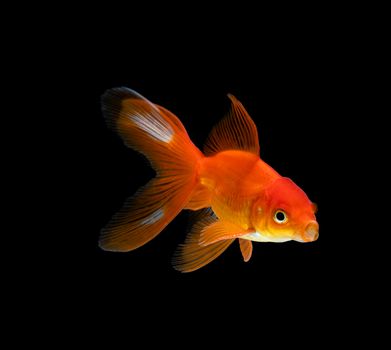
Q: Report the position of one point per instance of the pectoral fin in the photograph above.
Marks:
(246, 247)
(220, 230)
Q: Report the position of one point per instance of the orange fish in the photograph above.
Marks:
(245, 198)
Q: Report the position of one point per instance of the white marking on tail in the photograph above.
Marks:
(154, 217)
(156, 127)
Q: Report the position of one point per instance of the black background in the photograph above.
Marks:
(288, 94)
(303, 73)
(292, 79)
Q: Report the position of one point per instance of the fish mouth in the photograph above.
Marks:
(311, 232)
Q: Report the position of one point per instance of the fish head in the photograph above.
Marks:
(284, 212)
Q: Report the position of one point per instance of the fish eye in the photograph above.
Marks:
(280, 217)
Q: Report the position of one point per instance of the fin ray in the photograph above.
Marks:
(150, 129)
(236, 131)
(145, 215)
(200, 198)
(191, 256)
(160, 136)
(246, 247)
(220, 230)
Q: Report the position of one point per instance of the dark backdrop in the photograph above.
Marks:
(290, 83)
(289, 96)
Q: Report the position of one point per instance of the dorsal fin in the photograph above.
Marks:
(236, 131)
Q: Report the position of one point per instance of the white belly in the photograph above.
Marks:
(259, 237)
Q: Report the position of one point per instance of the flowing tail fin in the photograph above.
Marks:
(161, 137)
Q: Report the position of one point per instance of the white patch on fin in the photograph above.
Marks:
(154, 217)
(156, 127)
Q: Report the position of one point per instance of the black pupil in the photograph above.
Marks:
(280, 216)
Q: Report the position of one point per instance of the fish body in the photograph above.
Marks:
(237, 195)
(235, 180)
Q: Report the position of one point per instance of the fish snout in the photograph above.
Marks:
(311, 232)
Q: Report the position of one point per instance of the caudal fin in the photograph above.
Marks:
(161, 137)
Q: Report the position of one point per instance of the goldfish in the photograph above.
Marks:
(236, 194)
